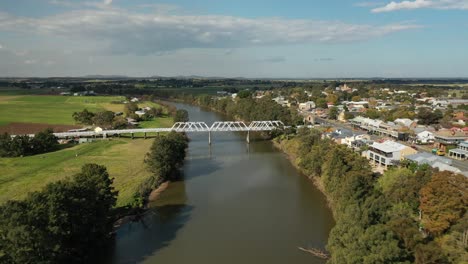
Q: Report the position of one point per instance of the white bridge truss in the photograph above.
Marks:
(183, 127)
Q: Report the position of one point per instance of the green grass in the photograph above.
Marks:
(49, 109)
(122, 157)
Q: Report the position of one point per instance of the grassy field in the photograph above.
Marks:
(51, 109)
(122, 157)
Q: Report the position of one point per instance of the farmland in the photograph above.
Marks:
(51, 109)
(122, 157)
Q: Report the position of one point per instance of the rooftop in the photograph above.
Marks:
(388, 146)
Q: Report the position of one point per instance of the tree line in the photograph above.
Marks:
(24, 145)
(408, 215)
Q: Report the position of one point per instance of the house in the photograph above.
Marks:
(98, 130)
(425, 137)
(134, 100)
(406, 122)
(388, 153)
(348, 141)
(447, 137)
(443, 164)
(460, 153)
(307, 106)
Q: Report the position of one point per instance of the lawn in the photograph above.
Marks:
(122, 157)
(51, 109)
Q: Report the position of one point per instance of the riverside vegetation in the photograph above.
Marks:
(59, 224)
(411, 214)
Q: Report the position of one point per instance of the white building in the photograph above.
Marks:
(388, 153)
(307, 106)
(425, 137)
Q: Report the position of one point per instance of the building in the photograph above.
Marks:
(388, 153)
(441, 163)
(448, 137)
(425, 137)
(460, 153)
(307, 106)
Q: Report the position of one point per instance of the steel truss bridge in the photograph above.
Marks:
(184, 127)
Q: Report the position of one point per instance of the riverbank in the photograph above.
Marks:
(292, 155)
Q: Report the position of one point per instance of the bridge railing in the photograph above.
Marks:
(220, 126)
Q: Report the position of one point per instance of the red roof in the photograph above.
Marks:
(465, 129)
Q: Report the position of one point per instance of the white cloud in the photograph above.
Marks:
(107, 2)
(30, 61)
(122, 32)
(1, 47)
(418, 4)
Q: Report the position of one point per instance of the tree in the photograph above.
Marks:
(104, 118)
(428, 117)
(181, 115)
(44, 141)
(333, 113)
(166, 154)
(356, 98)
(322, 103)
(84, 117)
(66, 222)
(130, 108)
(443, 201)
(244, 94)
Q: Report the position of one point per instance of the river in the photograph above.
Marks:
(237, 203)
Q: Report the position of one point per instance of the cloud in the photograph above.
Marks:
(119, 31)
(324, 59)
(275, 59)
(418, 4)
(30, 62)
(1, 47)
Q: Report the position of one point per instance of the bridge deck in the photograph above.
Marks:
(182, 127)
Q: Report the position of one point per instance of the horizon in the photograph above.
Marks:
(267, 40)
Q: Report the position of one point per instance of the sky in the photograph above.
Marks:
(234, 38)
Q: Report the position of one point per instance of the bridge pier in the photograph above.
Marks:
(145, 136)
(104, 135)
(209, 137)
(133, 135)
(248, 137)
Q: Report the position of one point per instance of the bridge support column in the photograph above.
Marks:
(209, 137)
(145, 135)
(133, 136)
(248, 137)
(104, 135)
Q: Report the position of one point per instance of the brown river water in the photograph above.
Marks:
(237, 203)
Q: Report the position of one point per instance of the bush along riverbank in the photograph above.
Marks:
(164, 159)
(407, 215)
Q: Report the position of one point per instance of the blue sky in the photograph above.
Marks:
(255, 38)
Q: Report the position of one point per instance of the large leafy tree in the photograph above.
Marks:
(443, 201)
(66, 222)
(181, 115)
(84, 117)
